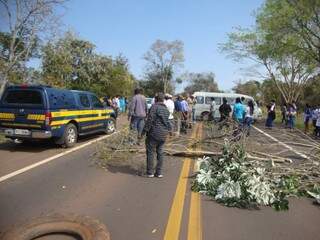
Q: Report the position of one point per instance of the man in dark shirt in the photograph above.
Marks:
(157, 128)
(225, 110)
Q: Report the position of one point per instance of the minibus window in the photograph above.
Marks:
(216, 99)
(200, 100)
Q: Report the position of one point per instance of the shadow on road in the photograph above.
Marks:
(39, 145)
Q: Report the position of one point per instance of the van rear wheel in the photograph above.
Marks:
(70, 136)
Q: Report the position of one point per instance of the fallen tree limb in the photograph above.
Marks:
(191, 153)
(269, 156)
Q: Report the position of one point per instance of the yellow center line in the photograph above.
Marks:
(175, 216)
(195, 223)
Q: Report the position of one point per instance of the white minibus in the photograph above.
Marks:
(204, 100)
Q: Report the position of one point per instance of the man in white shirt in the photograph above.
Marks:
(170, 105)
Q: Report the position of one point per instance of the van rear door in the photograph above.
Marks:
(23, 108)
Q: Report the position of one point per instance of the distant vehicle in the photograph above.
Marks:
(204, 100)
(149, 102)
(40, 112)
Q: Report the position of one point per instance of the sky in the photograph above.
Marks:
(130, 27)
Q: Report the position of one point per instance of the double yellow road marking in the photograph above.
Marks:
(174, 223)
(195, 225)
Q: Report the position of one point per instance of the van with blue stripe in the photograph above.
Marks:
(41, 112)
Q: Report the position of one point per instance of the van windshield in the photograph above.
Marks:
(23, 97)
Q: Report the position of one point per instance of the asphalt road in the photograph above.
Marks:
(134, 207)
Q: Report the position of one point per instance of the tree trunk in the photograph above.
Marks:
(4, 85)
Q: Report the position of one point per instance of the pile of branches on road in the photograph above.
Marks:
(236, 180)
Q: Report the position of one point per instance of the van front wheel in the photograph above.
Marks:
(70, 136)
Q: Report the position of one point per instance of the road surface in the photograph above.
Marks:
(134, 207)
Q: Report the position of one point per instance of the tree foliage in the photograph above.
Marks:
(284, 59)
(71, 63)
(251, 88)
(26, 23)
(163, 59)
(293, 24)
(201, 82)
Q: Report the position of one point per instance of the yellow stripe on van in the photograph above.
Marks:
(65, 113)
(61, 122)
(6, 115)
(37, 117)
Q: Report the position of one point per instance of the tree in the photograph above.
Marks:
(283, 65)
(163, 59)
(201, 82)
(152, 83)
(311, 93)
(293, 24)
(270, 92)
(72, 63)
(26, 23)
(251, 88)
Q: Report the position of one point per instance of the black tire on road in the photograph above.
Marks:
(83, 227)
(111, 126)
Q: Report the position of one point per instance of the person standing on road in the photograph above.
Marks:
(271, 114)
(307, 114)
(292, 112)
(249, 116)
(212, 108)
(284, 110)
(157, 128)
(184, 115)
(138, 112)
(317, 130)
(238, 111)
(190, 101)
(194, 102)
(314, 116)
(225, 110)
(170, 106)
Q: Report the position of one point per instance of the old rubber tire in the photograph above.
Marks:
(110, 126)
(70, 135)
(83, 227)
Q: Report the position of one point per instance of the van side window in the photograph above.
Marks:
(96, 102)
(231, 101)
(84, 100)
(216, 99)
(200, 100)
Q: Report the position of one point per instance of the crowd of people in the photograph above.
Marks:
(118, 103)
(175, 113)
(169, 114)
(311, 115)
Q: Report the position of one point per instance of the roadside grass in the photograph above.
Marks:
(299, 124)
